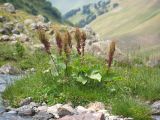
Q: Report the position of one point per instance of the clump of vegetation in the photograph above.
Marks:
(20, 49)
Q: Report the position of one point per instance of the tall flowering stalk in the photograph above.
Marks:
(44, 40)
(83, 41)
(59, 42)
(112, 48)
(78, 40)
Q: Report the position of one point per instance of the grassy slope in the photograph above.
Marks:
(135, 24)
(37, 7)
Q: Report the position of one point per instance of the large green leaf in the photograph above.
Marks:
(95, 76)
(82, 80)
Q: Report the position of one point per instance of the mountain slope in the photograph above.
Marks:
(36, 7)
(135, 24)
(86, 14)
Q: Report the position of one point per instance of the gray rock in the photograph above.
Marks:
(2, 19)
(153, 62)
(4, 31)
(9, 26)
(81, 110)
(42, 109)
(2, 110)
(19, 26)
(28, 21)
(23, 37)
(10, 7)
(15, 31)
(33, 26)
(86, 116)
(40, 18)
(4, 38)
(8, 69)
(10, 113)
(54, 110)
(156, 108)
(63, 112)
(43, 116)
(25, 101)
(26, 110)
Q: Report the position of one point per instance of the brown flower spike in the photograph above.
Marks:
(112, 49)
(44, 40)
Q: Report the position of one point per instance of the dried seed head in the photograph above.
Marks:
(78, 40)
(59, 42)
(112, 49)
(44, 40)
(83, 37)
(69, 39)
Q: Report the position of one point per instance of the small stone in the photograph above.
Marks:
(15, 31)
(25, 101)
(96, 106)
(40, 18)
(19, 26)
(8, 69)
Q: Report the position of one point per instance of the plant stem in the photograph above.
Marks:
(54, 64)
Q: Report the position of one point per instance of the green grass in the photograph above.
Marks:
(125, 88)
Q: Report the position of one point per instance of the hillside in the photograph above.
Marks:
(135, 24)
(87, 13)
(36, 7)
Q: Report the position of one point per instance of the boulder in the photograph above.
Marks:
(4, 38)
(101, 49)
(10, 7)
(9, 69)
